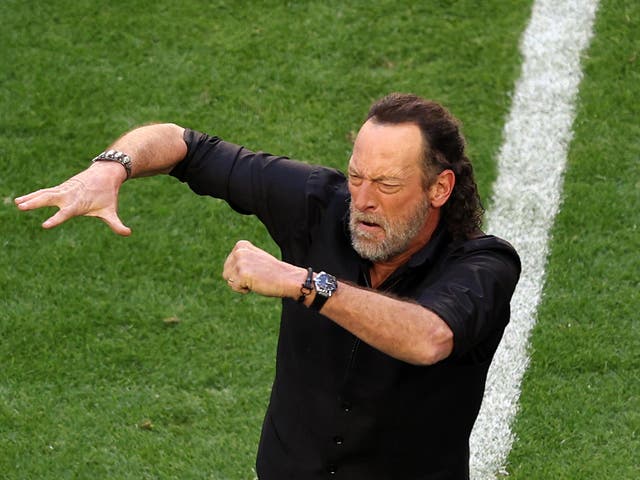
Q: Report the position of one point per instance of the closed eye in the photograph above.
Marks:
(389, 187)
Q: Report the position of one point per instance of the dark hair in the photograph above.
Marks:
(444, 149)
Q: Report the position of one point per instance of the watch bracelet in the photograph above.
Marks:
(115, 156)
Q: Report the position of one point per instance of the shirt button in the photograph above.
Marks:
(338, 440)
(332, 469)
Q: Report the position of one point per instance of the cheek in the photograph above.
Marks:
(398, 206)
(392, 207)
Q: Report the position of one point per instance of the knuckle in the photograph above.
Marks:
(242, 244)
(242, 267)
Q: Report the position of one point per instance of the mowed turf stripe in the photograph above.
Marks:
(526, 198)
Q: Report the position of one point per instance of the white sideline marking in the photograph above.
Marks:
(527, 193)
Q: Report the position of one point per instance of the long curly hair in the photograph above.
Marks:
(444, 148)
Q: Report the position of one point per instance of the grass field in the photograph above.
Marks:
(580, 414)
(129, 358)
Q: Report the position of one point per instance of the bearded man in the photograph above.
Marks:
(393, 299)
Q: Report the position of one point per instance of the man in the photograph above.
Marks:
(382, 360)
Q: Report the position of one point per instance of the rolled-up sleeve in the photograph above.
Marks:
(472, 295)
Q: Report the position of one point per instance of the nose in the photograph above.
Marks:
(363, 196)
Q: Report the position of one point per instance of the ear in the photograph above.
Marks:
(440, 190)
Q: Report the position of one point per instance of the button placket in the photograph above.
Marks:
(338, 439)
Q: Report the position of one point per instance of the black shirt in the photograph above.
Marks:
(339, 408)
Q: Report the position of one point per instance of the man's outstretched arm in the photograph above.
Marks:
(153, 149)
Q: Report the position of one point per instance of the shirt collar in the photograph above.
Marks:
(432, 249)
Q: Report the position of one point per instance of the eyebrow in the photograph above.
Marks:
(382, 178)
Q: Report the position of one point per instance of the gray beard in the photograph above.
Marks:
(399, 232)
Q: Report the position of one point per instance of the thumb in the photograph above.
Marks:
(116, 225)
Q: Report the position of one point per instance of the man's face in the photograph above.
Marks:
(389, 206)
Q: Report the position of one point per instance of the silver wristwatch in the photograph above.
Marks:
(325, 286)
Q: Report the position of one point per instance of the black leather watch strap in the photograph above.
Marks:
(318, 302)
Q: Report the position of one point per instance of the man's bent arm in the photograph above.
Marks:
(402, 329)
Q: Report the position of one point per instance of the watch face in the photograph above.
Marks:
(325, 284)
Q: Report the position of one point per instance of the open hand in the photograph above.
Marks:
(92, 193)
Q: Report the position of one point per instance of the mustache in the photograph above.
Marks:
(356, 216)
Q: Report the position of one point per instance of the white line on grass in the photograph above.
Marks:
(526, 199)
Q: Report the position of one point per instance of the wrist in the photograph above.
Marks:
(115, 156)
(325, 285)
(316, 289)
(112, 169)
(296, 285)
(307, 286)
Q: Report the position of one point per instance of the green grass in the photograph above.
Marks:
(95, 384)
(580, 414)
